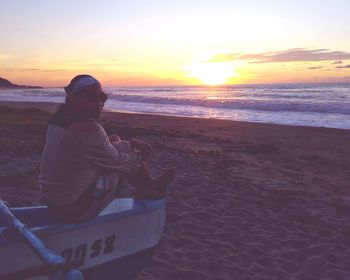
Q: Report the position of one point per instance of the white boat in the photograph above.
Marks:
(115, 245)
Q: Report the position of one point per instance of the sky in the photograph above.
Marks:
(157, 43)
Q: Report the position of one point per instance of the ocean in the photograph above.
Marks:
(322, 105)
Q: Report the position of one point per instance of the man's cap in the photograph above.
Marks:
(80, 82)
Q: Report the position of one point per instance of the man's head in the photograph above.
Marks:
(85, 96)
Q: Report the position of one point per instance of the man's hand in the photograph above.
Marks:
(145, 148)
(114, 138)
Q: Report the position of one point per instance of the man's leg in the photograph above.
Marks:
(146, 186)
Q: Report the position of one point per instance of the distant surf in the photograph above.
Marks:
(324, 105)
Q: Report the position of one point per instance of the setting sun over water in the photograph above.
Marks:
(212, 73)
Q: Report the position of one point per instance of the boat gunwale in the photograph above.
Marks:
(45, 230)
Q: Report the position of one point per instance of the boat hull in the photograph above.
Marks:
(124, 268)
(116, 245)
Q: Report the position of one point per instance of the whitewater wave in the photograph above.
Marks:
(257, 105)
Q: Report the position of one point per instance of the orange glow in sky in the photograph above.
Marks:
(48, 42)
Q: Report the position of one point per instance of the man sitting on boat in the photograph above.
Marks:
(81, 166)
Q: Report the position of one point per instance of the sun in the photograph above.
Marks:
(211, 73)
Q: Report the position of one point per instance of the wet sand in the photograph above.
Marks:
(250, 201)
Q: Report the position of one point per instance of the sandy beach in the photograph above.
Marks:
(250, 201)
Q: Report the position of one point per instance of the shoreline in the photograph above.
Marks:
(52, 106)
(249, 201)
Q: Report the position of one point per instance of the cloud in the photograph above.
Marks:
(337, 62)
(44, 70)
(291, 55)
(345, 66)
(315, 67)
(4, 56)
